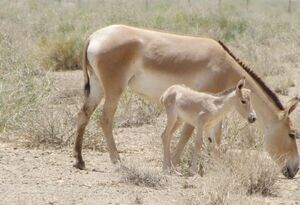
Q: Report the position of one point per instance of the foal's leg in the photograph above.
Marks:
(198, 144)
(217, 133)
(184, 138)
(89, 106)
(172, 124)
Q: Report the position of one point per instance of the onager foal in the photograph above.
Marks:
(201, 110)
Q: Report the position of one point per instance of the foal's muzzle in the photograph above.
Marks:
(252, 118)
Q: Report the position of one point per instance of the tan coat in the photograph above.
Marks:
(149, 62)
(202, 111)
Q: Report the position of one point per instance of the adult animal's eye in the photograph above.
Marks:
(243, 101)
(292, 135)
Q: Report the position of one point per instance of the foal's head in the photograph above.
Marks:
(243, 102)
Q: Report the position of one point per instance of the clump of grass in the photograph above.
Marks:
(238, 168)
(241, 160)
(281, 84)
(49, 127)
(138, 200)
(93, 136)
(230, 27)
(237, 133)
(62, 52)
(259, 175)
(246, 172)
(142, 176)
(134, 111)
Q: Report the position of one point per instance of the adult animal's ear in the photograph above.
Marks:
(291, 105)
(241, 83)
(289, 108)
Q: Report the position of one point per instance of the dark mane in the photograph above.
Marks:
(224, 92)
(255, 77)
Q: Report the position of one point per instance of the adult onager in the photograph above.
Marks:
(202, 111)
(149, 62)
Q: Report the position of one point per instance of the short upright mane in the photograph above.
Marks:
(257, 79)
(224, 92)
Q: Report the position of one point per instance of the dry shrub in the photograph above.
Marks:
(62, 52)
(142, 176)
(93, 135)
(231, 27)
(246, 172)
(234, 176)
(135, 111)
(280, 84)
(237, 133)
(49, 127)
(138, 200)
(186, 160)
(237, 169)
(240, 160)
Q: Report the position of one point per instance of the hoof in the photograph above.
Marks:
(116, 161)
(79, 165)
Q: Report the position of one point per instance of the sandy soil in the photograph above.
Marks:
(30, 176)
(47, 177)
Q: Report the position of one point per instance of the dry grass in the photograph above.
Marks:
(235, 176)
(50, 34)
(237, 170)
(135, 111)
(142, 176)
(49, 127)
(61, 53)
(43, 36)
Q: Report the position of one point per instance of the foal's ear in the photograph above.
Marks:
(241, 83)
(291, 105)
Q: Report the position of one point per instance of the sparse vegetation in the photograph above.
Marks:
(61, 53)
(40, 37)
(238, 173)
(142, 176)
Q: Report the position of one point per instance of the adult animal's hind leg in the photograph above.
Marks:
(89, 106)
(109, 109)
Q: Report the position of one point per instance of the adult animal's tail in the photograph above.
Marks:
(85, 64)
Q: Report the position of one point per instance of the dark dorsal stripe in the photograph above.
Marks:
(255, 77)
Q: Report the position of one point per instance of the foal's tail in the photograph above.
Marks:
(161, 99)
(85, 64)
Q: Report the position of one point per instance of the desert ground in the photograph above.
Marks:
(41, 93)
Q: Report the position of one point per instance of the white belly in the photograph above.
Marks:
(152, 84)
